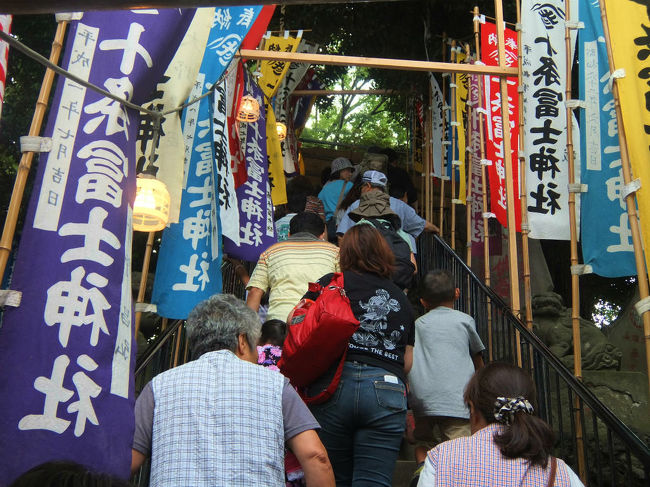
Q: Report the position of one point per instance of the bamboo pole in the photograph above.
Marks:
(429, 166)
(381, 63)
(443, 161)
(454, 145)
(179, 336)
(528, 297)
(573, 226)
(486, 237)
(630, 200)
(510, 188)
(143, 279)
(425, 148)
(25, 164)
(469, 214)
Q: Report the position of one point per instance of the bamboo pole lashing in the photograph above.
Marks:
(25, 164)
(486, 237)
(454, 146)
(510, 195)
(630, 200)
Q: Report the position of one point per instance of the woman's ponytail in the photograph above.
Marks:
(505, 394)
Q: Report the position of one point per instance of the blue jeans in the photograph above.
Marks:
(362, 425)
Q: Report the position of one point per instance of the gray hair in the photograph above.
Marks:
(216, 323)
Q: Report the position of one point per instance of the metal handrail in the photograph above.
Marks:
(150, 352)
(432, 248)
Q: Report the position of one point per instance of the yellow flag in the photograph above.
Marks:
(274, 153)
(628, 29)
(274, 71)
(272, 74)
(461, 104)
(301, 164)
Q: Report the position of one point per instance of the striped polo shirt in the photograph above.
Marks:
(286, 268)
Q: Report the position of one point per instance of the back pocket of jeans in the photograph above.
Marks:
(390, 396)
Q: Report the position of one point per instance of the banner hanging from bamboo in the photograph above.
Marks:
(189, 262)
(462, 89)
(272, 74)
(438, 124)
(256, 227)
(606, 238)
(478, 231)
(68, 350)
(495, 156)
(285, 104)
(545, 121)
(629, 30)
(5, 26)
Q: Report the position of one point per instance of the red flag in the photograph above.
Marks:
(494, 122)
(5, 26)
(236, 154)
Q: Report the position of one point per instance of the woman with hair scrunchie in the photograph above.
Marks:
(508, 446)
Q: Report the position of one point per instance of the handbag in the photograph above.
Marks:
(318, 334)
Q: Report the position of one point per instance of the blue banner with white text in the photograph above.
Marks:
(605, 230)
(189, 265)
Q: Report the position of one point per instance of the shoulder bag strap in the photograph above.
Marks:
(551, 477)
(345, 183)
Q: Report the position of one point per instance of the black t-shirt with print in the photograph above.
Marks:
(387, 322)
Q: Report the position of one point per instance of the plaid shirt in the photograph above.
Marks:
(475, 461)
(218, 422)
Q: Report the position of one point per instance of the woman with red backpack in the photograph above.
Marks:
(363, 422)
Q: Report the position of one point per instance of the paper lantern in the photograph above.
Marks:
(282, 130)
(249, 109)
(151, 206)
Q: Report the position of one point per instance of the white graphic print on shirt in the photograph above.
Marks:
(374, 321)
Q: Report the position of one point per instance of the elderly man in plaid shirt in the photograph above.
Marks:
(220, 419)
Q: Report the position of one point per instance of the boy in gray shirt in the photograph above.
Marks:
(447, 351)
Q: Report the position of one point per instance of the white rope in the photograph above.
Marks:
(11, 298)
(643, 305)
(631, 187)
(581, 269)
(578, 188)
(34, 143)
(68, 16)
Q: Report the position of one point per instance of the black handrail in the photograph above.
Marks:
(433, 250)
(150, 352)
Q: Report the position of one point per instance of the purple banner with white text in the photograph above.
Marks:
(67, 352)
(256, 228)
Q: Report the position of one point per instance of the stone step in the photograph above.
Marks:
(403, 472)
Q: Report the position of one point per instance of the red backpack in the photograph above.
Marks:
(318, 335)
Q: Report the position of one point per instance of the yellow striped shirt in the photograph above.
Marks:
(286, 268)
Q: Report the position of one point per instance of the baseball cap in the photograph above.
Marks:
(375, 178)
(341, 163)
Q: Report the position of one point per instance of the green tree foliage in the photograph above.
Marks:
(357, 119)
(23, 83)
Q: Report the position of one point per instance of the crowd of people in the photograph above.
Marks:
(229, 417)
